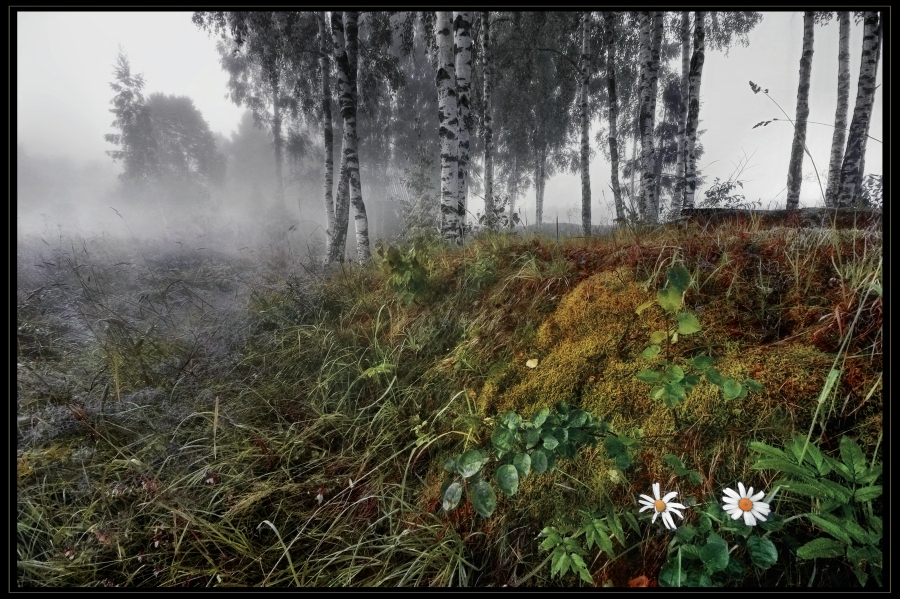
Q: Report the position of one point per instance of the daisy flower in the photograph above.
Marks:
(663, 506)
(746, 504)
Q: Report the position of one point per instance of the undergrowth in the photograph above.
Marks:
(201, 418)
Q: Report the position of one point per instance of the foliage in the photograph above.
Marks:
(842, 492)
(406, 271)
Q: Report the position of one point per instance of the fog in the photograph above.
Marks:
(65, 180)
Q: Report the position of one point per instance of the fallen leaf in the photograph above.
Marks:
(640, 581)
(532, 363)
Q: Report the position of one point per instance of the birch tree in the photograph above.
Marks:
(327, 129)
(795, 167)
(678, 200)
(609, 21)
(690, 131)
(651, 39)
(487, 120)
(445, 80)
(585, 124)
(854, 155)
(843, 108)
(462, 49)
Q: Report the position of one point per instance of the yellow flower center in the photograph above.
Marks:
(660, 505)
(745, 504)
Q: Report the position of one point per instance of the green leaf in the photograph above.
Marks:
(867, 493)
(715, 553)
(613, 446)
(852, 456)
(732, 389)
(657, 392)
(686, 533)
(632, 521)
(582, 569)
(649, 376)
(675, 393)
(768, 450)
(857, 532)
(762, 552)
(713, 376)
(577, 418)
(687, 323)
(522, 462)
(540, 417)
(550, 442)
(674, 373)
(675, 462)
(827, 524)
(615, 525)
(781, 466)
(689, 382)
(821, 548)
(483, 499)
(679, 277)
(532, 437)
(471, 462)
(651, 352)
(595, 533)
(754, 386)
(452, 496)
(658, 337)
(669, 299)
(507, 478)
(703, 362)
(503, 439)
(510, 420)
(644, 306)
(539, 461)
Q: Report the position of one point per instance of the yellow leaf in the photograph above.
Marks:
(532, 363)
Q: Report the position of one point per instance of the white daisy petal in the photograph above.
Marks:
(667, 520)
(677, 506)
(742, 490)
(748, 519)
(647, 498)
(735, 513)
(670, 496)
(655, 514)
(676, 512)
(758, 496)
(731, 493)
(646, 507)
(758, 515)
(762, 507)
(656, 490)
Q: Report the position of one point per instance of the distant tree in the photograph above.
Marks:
(651, 39)
(839, 136)
(855, 154)
(585, 124)
(445, 81)
(610, 22)
(487, 120)
(693, 118)
(462, 50)
(135, 137)
(795, 173)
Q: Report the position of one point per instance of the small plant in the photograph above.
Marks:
(499, 217)
(407, 273)
(671, 383)
(520, 447)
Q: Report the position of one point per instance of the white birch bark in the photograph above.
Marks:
(651, 37)
(854, 155)
(342, 197)
(488, 122)
(327, 130)
(839, 137)
(678, 199)
(795, 166)
(462, 48)
(445, 80)
(349, 112)
(609, 21)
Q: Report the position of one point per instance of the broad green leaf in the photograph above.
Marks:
(867, 493)
(679, 278)
(595, 533)
(658, 392)
(483, 499)
(510, 420)
(821, 548)
(532, 437)
(857, 532)
(715, 553)
(450, 465)
(689, 382)
(522, 462)
(781, 466)
(452, 496)
(657, 337)
(540, 417)
(651, 352)
(507, 478)
(550, 442)
(615, 525)
(676, 392)
(703, 362)
(577, 418)
(582, 569)
(675, 462)
(762, 552)
(732, 389)
(713, 376)
(687, 323)
(833, 528)
(674, 373)
(768, 450)
(649, 376)
(632, 521)
(669, 299)
(503, 439)
(613, 446)
(471, 462)
(685, 534)
(539, 461)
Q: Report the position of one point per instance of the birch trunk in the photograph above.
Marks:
(840, 115)
(539, 187)
(585, 124)
(678, 195)
(342, 198)
(445, 80)
(609, 21)
(351, 149)
(488, 122)
(854, 156)
(328, 132)
(690, 130)
(795, 166)
(462, 48)
(278, 144)
(514, 195)
(651, 38)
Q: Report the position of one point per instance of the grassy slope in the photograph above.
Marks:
(167, 437)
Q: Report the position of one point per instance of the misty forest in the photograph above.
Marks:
(230, 382)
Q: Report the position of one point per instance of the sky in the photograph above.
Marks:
(64, 63)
